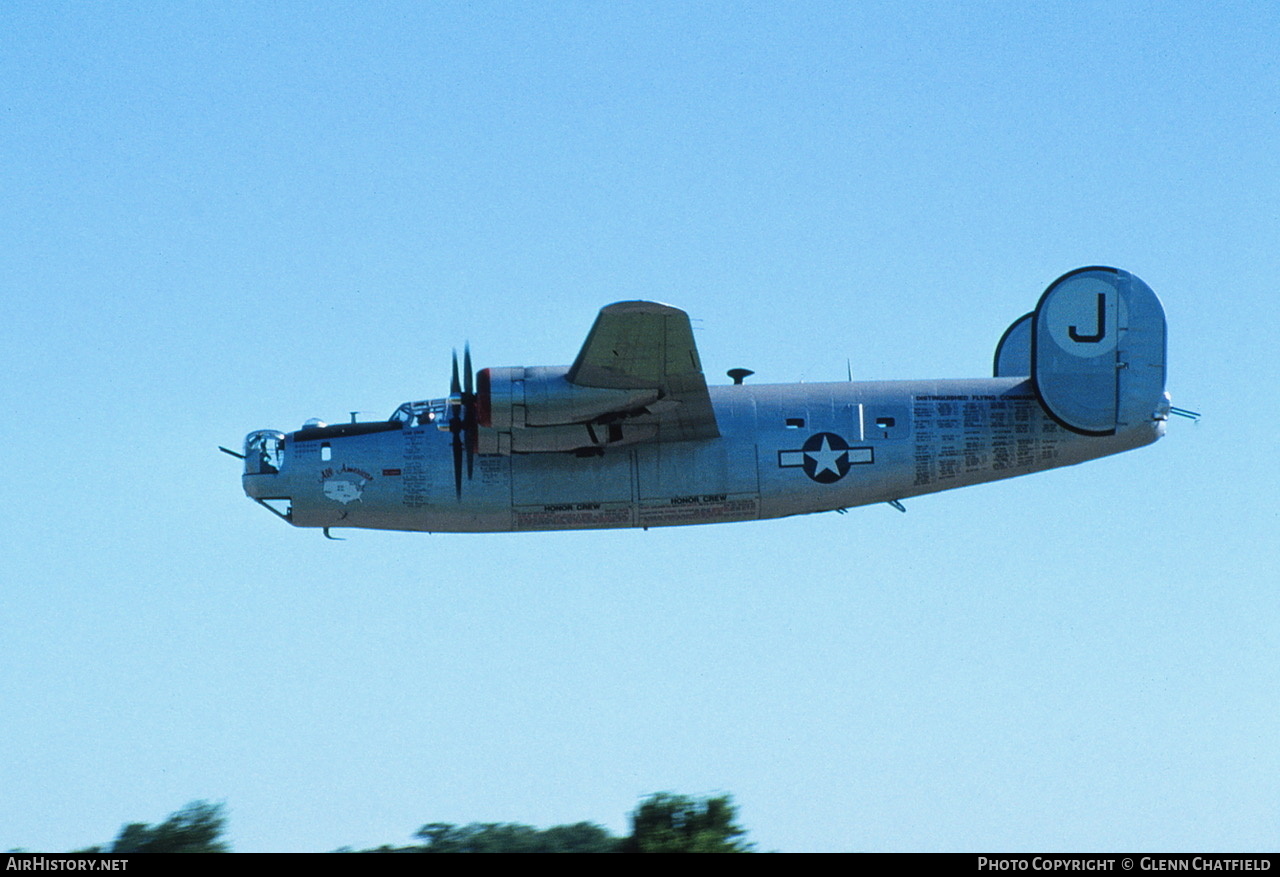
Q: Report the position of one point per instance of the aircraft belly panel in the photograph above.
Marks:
(698, 482)
(565, 492)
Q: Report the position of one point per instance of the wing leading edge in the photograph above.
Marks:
(645, 345)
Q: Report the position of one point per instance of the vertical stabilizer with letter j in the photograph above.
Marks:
(1096, 352)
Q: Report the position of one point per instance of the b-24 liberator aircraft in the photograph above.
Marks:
(630, 435)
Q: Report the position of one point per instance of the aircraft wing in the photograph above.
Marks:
(645, 345)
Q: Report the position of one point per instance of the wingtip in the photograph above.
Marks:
(640, 307)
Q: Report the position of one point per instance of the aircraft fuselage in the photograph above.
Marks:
(783, 449)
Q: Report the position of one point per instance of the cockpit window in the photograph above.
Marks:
(263, 452)
(424, 413)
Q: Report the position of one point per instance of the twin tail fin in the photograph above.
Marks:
(1094, 349)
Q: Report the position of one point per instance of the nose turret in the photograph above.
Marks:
(263, 452)
(263, 461)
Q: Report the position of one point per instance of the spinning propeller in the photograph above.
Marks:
(462, 418)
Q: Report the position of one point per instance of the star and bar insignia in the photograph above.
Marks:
(825, 457)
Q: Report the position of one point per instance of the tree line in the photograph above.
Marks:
(661, 823)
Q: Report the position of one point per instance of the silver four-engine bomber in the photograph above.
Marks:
(630, 435)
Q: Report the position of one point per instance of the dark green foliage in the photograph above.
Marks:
(663, 823)
(193, 829)
(667, 823)
(507, 837)
(493, 837)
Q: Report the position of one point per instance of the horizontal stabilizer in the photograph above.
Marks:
(1098, 351)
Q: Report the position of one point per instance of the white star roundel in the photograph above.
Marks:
(826, 457)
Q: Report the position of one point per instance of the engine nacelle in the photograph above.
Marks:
(533, 410)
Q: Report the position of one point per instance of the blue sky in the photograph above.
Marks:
(224, 217)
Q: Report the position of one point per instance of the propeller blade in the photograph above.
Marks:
(455, 425)
(462, 417)
(457, 464)
(468, 410)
